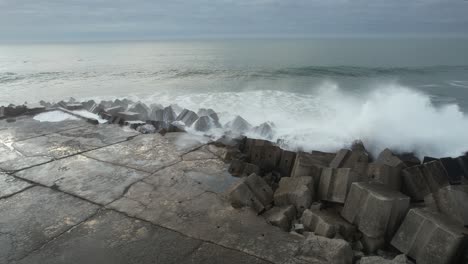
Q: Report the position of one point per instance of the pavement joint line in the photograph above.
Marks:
(183, 234)
(191, 251)
(71, 155)
(46, 134)
(15, 193)
(98, 210)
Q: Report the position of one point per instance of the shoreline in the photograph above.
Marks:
(240, 193)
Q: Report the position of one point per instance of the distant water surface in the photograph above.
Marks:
(333, 90)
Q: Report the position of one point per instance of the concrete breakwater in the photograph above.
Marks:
(281, 206)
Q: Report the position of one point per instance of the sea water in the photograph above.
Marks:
(402, 93)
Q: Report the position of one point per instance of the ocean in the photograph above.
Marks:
(401, 93)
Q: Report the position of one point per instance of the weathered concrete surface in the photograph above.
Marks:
(150, 152)
(10, 185)
(93, 180)
(35, 216)
(113, 238)
(183, 198)
(429, 237)
(17, 155)
(26, 127)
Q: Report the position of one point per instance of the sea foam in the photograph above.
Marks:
(390, 115)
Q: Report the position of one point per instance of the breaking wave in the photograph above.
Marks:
(391, 115)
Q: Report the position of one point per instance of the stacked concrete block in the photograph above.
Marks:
(328, 223)
(387, 157)
(435, 175)
(281, 217)
(385, 174)
(429, 237)
(167, 114)
(265, 155)
(128, 116)
(356, 160)
(318, 249)
(264, 130)
(455, 172)
(297, 191)
(451, 201)
(142, 110)
(252, 192)
(376, 210)
(187, 117)
(414, 183)
(92, 107)
(286, 162)
(241, 168)
(114, 110)
(334, 184)
(239, 125)
(123, 103)
(463, 162)
(311, 164)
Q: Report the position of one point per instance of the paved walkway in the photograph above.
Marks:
(72, 192)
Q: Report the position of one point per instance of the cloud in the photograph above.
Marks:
(126, 19)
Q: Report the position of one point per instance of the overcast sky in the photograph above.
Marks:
(43, 20)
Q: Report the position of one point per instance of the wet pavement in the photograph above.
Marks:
(71, 192)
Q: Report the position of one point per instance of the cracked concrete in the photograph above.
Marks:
(10, 185)
(34, 216)
(114, 196)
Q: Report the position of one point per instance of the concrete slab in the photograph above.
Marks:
(26, 127)
(70, 142)
(213, 254)
(94, 180)
(149, 152)
(10, 185)
(173, 199)
(113, 238)
(35, 216)
(12, 160)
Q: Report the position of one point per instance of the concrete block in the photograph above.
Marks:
(400, 259)
(452, 201)
(409, 159)
(250, 168)
(328, 223)
(128, 116)
(385, 174)
(317, 249)
(203, 124)
(414, 183)
(357, 160)
(454, 170)
(435, 175)
(73, 106)
(142, 110)
(266, 156)
(335, 184)
(238, 125)
(92, 107)
(240, 196)
(237, 167)
(210, 113)
(281, 217)
(251, 192)
(387, 157)
(297, 191)
(286, 162)
(187, 117)
(429, 237)
(311, 164)
(463, 162)
(114, 110)
(264, 130)
(167, 114)
(375, 209)
(260, 188)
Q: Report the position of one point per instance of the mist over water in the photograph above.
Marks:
(407, 95)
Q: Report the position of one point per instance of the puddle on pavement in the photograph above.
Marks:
(217, 183)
